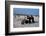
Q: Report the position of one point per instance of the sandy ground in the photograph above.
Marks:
(17, 23)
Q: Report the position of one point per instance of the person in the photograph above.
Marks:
(28, 17)
(32, 18)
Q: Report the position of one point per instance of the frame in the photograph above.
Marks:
(10, 5)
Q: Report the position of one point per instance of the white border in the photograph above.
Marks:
(26, 28)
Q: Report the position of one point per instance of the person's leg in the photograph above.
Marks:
(33, 19)
(29, 20)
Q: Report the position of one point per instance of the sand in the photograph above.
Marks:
(17, 22)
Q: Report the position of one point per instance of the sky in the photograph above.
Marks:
(25, 11)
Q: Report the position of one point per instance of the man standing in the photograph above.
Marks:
(30, 18)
